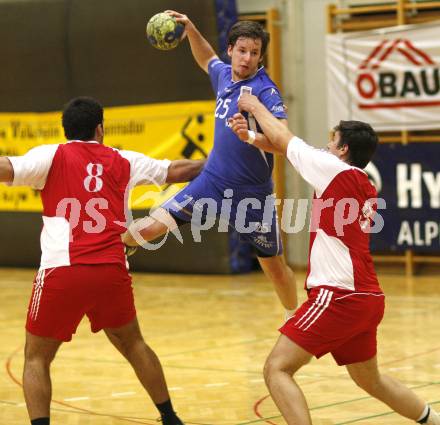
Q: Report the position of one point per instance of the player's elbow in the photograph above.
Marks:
(281, 140)
(6, 170)
(184, 170)
(174, 172)
(204, 60)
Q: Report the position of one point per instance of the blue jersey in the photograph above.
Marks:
(232, 161)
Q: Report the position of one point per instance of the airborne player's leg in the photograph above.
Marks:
(266, 240)
(148, 228)
(173, 213)
(283, 279)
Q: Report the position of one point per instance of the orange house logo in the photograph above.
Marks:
(415, 82)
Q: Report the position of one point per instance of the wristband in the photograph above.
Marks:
(251, 137)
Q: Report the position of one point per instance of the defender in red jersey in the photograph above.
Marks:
(83, 271)
(345, 303)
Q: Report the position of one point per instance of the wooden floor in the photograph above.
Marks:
(212, 334)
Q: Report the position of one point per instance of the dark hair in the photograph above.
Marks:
(81, 116)
(249, 29)
(361, 140)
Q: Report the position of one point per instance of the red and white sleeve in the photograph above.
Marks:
(32, 168)
(145, 170)
(317, 166)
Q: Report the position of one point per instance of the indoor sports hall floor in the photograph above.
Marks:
(212, 334)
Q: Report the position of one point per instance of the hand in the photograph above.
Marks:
(127, 237)
(239, 126)
(128, 240)
(248, 102)
(182, 19)
(130, 250)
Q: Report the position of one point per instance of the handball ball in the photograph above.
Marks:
(164, 32)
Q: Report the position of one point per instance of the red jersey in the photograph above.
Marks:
(84, 188)
(343, 205)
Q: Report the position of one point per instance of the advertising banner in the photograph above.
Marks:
(172, 130)
(389, 78)
(407, 177)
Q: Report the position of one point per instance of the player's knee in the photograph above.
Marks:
(268, 371)
(275, 365)
(37, 357)
(37, 360)
(123, 342)
(132, 344)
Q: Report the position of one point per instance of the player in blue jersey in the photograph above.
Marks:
(237, 172)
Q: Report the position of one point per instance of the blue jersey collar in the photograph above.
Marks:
(247, 79)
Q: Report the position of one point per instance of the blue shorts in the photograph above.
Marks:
(250, 210)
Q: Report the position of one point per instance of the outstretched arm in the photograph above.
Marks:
(6, 170)
(183, 170)
(317, 166)
(275, 131)
(202, 51)
(239, 126)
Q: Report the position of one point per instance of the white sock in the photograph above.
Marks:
(424, 414)
(433, 418)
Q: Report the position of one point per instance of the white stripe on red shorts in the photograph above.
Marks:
(316, 309)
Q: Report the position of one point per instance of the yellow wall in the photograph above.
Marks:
(168, 130)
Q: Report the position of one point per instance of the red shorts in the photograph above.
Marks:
(338, 322)
(63, 295)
